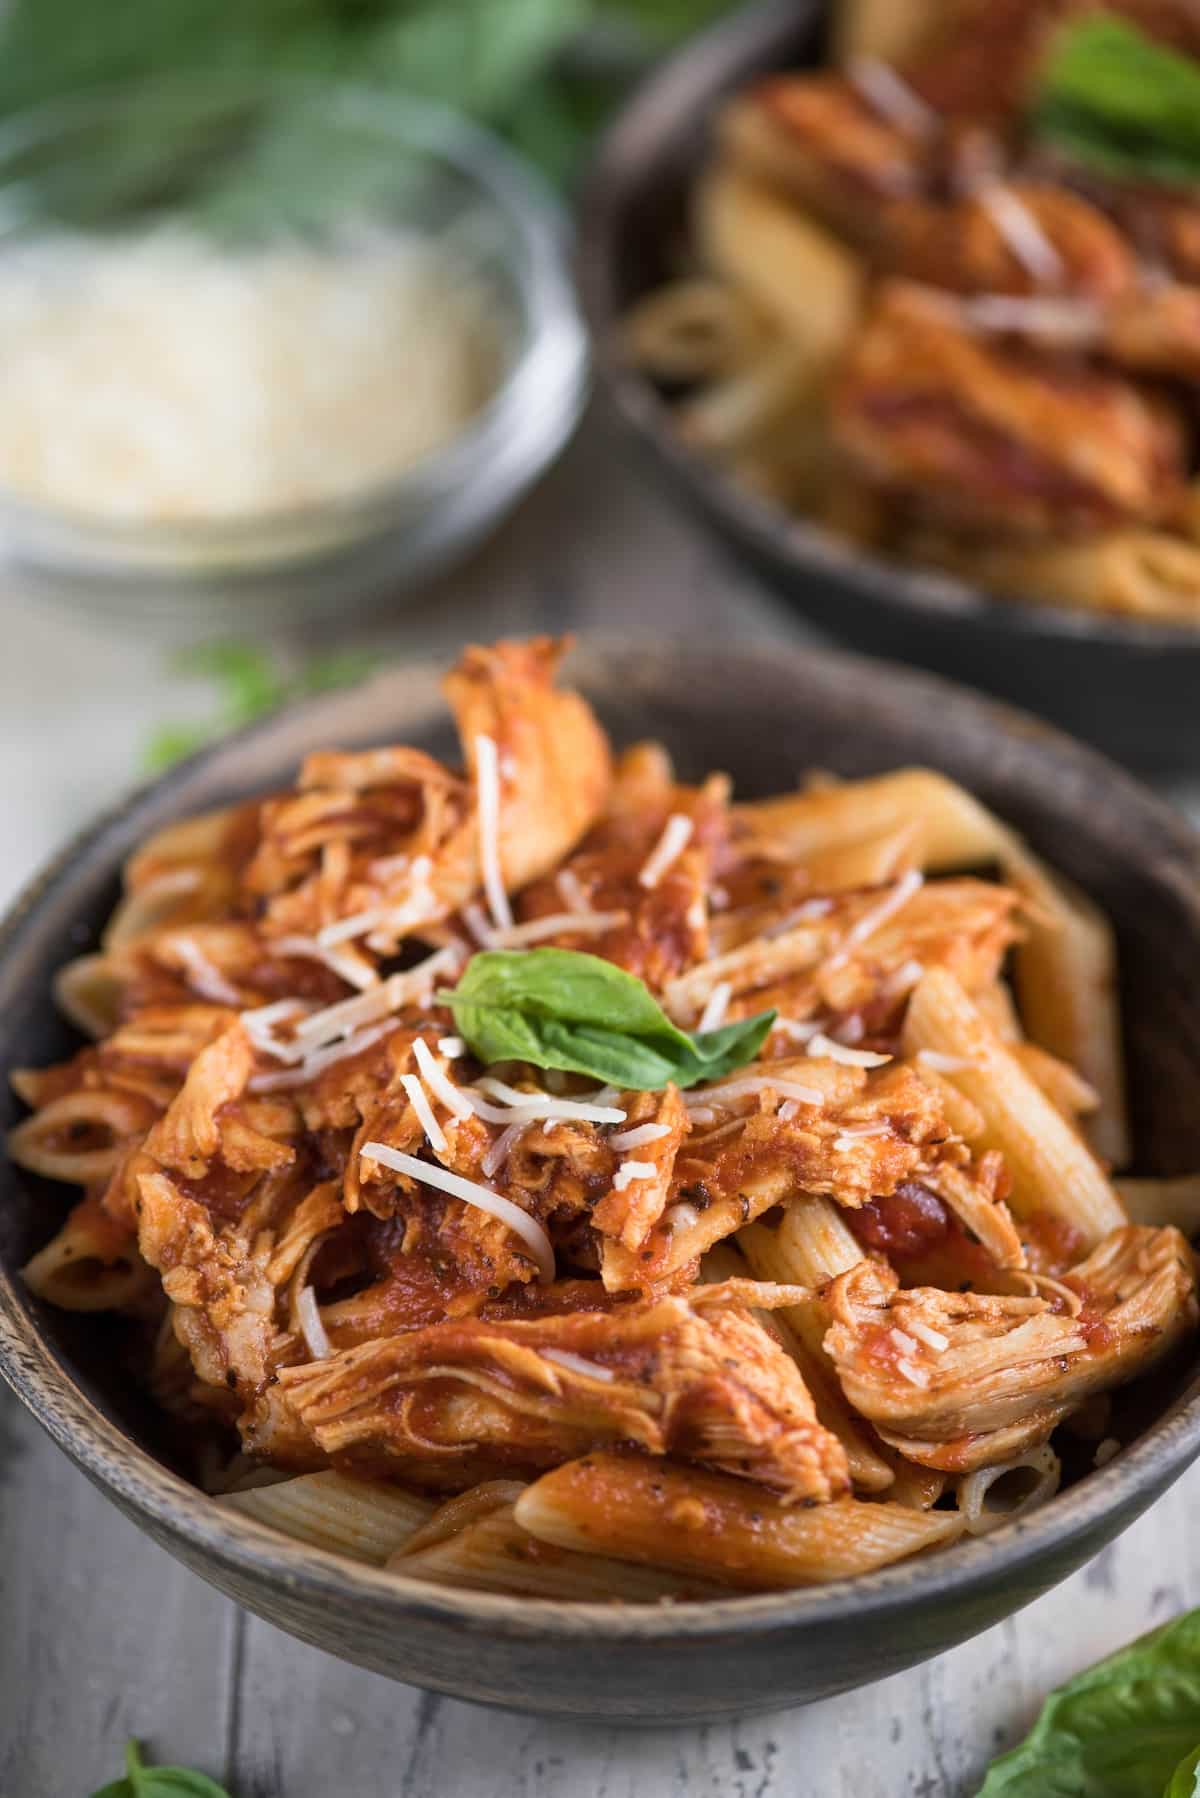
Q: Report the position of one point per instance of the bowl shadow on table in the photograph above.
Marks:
(764, 716)
(1125, 684)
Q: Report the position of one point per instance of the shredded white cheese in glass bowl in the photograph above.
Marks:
(269, 347)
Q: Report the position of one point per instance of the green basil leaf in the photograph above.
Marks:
(1185, 1781)
(1118, 1730)
(580, 1014)
(1111, 97)
(141, 1781)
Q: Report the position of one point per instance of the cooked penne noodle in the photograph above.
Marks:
(1070, 1095)
(695, 329)
(800, 1328)
(657, 1513)
(79, 1136)
(1041, 1470)
(92, 1264)
(494, 1554)
(1065, 966)
(794, 271)
(888, 30)
(1141, 573)
(1053, 1172)
(365, 1519)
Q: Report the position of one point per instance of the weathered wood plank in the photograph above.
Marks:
(104, 1636)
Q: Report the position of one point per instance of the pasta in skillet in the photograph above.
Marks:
(942, 296)
(552, 1178)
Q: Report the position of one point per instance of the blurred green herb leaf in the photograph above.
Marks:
(247, 683)
(141, 1781)
(523, 66)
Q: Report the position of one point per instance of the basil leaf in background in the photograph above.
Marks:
(248, 684)
(1111, 97)
(1185, 1781)
(141, 1781)
(580, 1014)
(1119, 1730)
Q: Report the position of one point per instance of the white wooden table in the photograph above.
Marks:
(102, 1636)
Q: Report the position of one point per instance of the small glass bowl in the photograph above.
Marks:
(434, 170)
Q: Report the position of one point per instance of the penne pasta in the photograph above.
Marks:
(1065, 966)
(1053, 1172)
(494, 1554)
(365, 1519)
(91, 1264)
(635, 1509)
(795, 272)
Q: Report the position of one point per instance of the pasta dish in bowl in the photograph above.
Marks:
(946, 301)
(530, 1176)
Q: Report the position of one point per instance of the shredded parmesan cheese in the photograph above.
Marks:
(1019, 227)
(826, 1049)
(916, 1376)
(542, 1105)
(713, 1015)
(630, 1171)
(419, 1100)
(591, 1370)
(347, 964)
(1070, 323)
(203, 976)
(639, 1136)
(439, 1082)
(571, 890)
(225, 407)
(677, 834)
(680, 1216)
(559, 923)
(903, 1342)
(503, 1146)
(318, 1061)
(487, 782)
(311, 1327)
(932, 1338)
(381, 1001)
(452, 1047)
(482, 1197)
(795, 1030)
(891, 96)
(755, 1083)
(871, 921)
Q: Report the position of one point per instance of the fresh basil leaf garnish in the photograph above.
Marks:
(1119, 1730)
(580, 1014)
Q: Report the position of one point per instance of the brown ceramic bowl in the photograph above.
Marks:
(1126, 684)
(764, 716)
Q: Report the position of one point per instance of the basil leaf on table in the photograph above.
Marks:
(141, 1781)
(1119, 1730)
(1185, 1781)
(1111, 97)
(580, 1014)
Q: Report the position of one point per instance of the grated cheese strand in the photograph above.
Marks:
(871, 921)
(364, 1008)
(717, 1004)
(503, 1147)
(439, 1082)
(311, 1327)
(631, 1171)
(559, 923)
(591, 1370)
(318, 1061)
(677, 834)
(487, 782)
(639, 1136)
(826, 1049)
(891, 96)
(203, 976)
(704, 1096)
(482, 1197)
(1019, 227)
(418, 1098)
(345, 963)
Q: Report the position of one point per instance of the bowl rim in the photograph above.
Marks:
(550, 358)
(757, 36)
(157, 1496)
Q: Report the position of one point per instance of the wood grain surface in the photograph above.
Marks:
(104, 1636)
